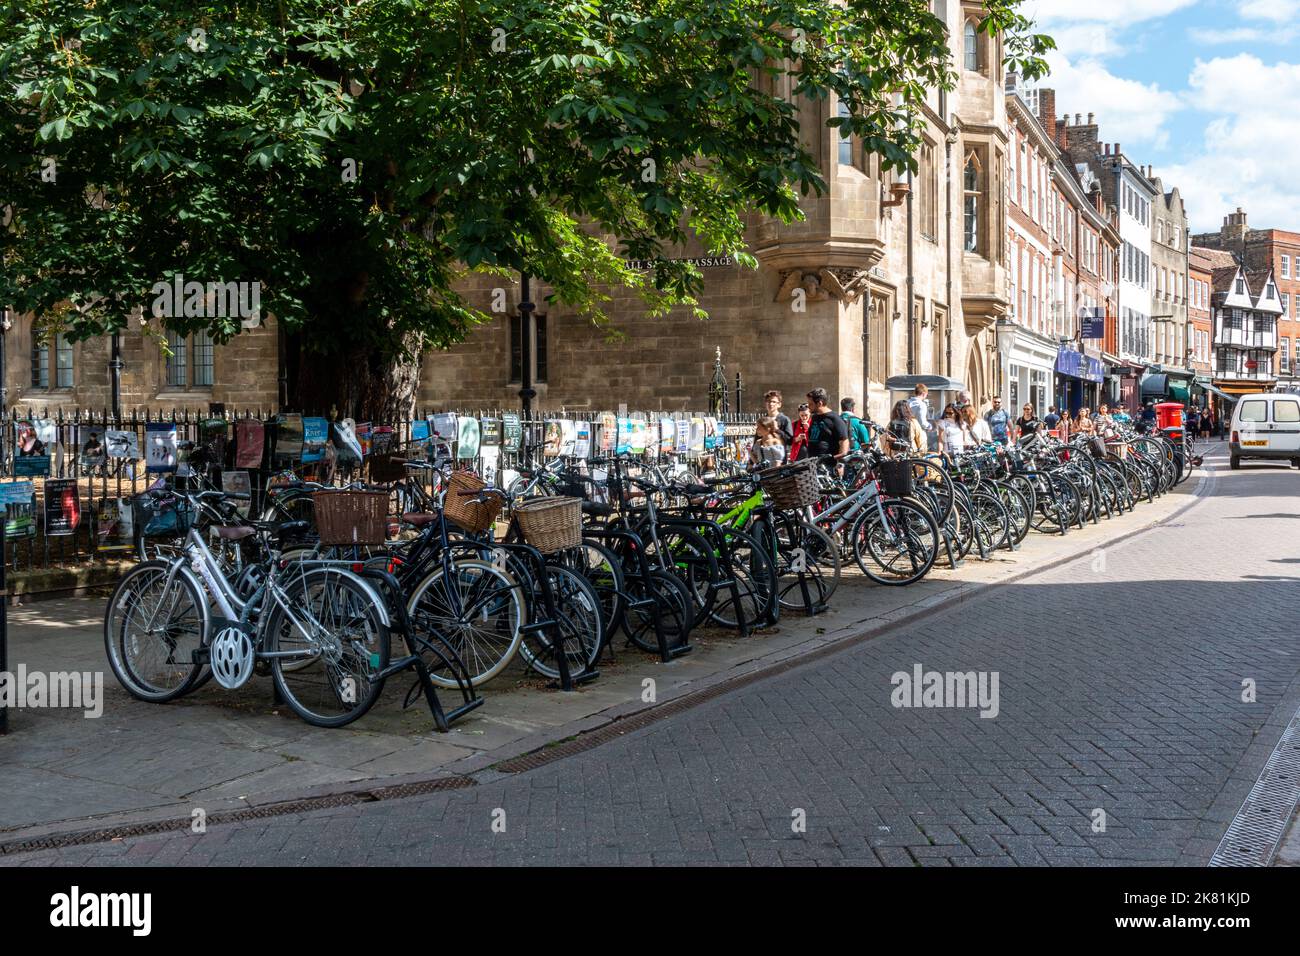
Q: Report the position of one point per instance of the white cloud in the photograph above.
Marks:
(1128, 111)
(1085, 39)
(1118, 12)
(1241, 35)
(1246, 157)
(1275, 11)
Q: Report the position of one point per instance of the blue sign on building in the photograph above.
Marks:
(1077, 365)
(1092, 322)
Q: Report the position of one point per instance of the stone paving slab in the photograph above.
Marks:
(236, 748)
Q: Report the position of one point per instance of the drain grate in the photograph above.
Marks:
(1259, 826)
(330, 801)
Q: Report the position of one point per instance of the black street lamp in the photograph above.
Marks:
(526, 308)
(115, 366)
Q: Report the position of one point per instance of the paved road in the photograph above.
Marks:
(1119, 701)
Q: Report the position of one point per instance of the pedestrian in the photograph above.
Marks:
(905, 428)
(1120, 415)
(963, 399)
(1028, 423)
(828, 433)
(799, 441)
(952, 436)
(772, 402)
(1051, 419)
(768, 447)
(921, 412)
(1207, 423)
(859, 436)
(978, 431)
(1193, 423)
(999, 422)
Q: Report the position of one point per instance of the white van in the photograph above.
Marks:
(1266, 425)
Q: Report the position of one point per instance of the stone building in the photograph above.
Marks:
(900, 275)
(1170, 245)
(48, 374)
(1268, 250)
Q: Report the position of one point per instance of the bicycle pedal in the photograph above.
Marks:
(262, 668)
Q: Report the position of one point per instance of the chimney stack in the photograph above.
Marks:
(1047, 108)
(1077, 117)
(1090, 116)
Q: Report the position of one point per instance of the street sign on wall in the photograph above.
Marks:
(1092, 323)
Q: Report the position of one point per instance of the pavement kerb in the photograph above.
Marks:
(478, 767)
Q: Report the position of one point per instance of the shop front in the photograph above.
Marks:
(1123, 380)
(1028, 368)
(1167, 385)
(1079, 380)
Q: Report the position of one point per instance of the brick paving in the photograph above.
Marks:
(1120, 699)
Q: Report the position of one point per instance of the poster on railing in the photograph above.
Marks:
(490, 432)
(238, 483)
(623, 435)
(114, 525)
(444, 425)
(638, 436)
(712, 433)
(315, 434)
(31, 457)
(420, 430)
(345, 433)
(90, 438)
(568, 437)
(682, 436)
(250, 443)
(467, 437)
(667, 436)
(552, 439)
(698, 429)
(160, 447)
(512, 432)
(289, 436)
(62, 507)
(48, 433)
(19, 500)
(490, 463)
(122, 444)
(582, 439)
(212, 442)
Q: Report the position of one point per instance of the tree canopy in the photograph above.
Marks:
(356, 157)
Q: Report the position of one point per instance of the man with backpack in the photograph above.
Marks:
(859, 436)
(999, 422)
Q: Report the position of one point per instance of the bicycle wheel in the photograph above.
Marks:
(151, 630)
(673, 609)
(1018, 511)
(601, 566)
(807, 560)
(688, 555)
(895, 542)
(756, 587)
(581, 622)
(962, 523)
(331, 620)
(476, 608)
(992, 523)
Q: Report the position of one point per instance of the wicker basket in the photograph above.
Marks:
(471, 515)
(551, 524)
(386, 468)
(896, 476)
(351, 517)
(791, 486)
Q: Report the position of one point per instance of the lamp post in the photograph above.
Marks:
(526, 308)
(115, 373)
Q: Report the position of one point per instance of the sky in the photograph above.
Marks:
(1205, 91)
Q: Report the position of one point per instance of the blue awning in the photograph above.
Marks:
(1077, 365)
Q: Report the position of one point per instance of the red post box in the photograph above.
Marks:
(1169, 415)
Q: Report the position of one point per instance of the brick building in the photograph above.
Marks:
(1200, 277)
(1262, 251)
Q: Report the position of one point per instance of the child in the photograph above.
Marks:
(768, 448)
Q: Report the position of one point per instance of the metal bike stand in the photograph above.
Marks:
(450, 659)
(636, 548)
(711, 529)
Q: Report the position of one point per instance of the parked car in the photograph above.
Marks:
(1265, 425)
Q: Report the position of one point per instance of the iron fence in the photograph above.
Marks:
(78, 484)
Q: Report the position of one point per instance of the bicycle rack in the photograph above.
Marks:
(636, 548)
(711, 529)
(550, 622)
(450, 659)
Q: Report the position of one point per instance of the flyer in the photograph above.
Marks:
(554, 439)
(212, 443)
(249, 442)
(315, 433)
(512, 432)
(160, 445)
(93, 451)
(238, 483)
(697, 433)
(682, 439)
(582, 440)
(19, 500)
(122, 444)
(667, 436)
(345, 433)
(114, 525)
(623, 441)
(420, 430)
(608, 432)
(637, 441)
(444, 426)
(467, 436)
(568, 437)
(490, 432)
(490, 462)
(711, 433)
(62, 507)
(31, 456)
(289, 436)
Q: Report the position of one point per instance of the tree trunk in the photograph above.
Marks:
(365, 385)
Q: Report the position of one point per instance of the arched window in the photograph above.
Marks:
(970, 207)
(972, 48)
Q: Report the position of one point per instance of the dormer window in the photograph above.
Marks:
(1268, 291)
(1241, 286)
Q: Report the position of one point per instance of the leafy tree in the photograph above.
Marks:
(355, 158)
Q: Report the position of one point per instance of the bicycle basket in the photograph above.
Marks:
(551, 524)
(351, 517)
(386, 468)
(469, 514)
(791, 486)
(162, 517)
(896, 477)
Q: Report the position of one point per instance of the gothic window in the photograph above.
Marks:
(971, 187)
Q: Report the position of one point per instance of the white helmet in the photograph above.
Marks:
(232, 657)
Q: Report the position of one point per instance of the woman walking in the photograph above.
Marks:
(906, 429)
(952, 435)
(800, 443)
